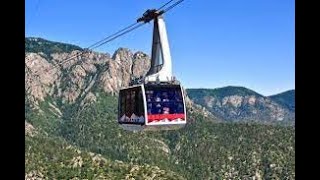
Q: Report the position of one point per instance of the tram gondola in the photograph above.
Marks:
(156, 101)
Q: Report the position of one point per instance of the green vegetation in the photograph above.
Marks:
(37, 45)
(53, 158)
(236, 151)
(201, 150)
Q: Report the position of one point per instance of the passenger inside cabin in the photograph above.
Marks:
(148, 98)
(164, 101)
(149, 108)
(157, 98)
(178, 96)
(166, 110)
(167, 102)
(165, 97)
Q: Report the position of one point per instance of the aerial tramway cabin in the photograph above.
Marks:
(156, 101)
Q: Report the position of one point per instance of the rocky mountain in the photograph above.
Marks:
(286, 99)
(75, 78)
(80, 80)
(241, 104)
(72, 133)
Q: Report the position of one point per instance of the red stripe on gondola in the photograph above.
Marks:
(158, 117)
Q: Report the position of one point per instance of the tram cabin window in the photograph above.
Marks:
(164, 100)
(131, 106)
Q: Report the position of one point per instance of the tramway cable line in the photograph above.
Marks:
(114, 35)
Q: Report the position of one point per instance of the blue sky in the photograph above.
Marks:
(214, 43)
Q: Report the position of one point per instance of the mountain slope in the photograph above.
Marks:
(202, 150)
(240, 104)
(37, 45)
(75, 105)
(286, 99)
(53, 158)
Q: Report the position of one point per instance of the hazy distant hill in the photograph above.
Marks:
(241, 104)
(287, 99)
